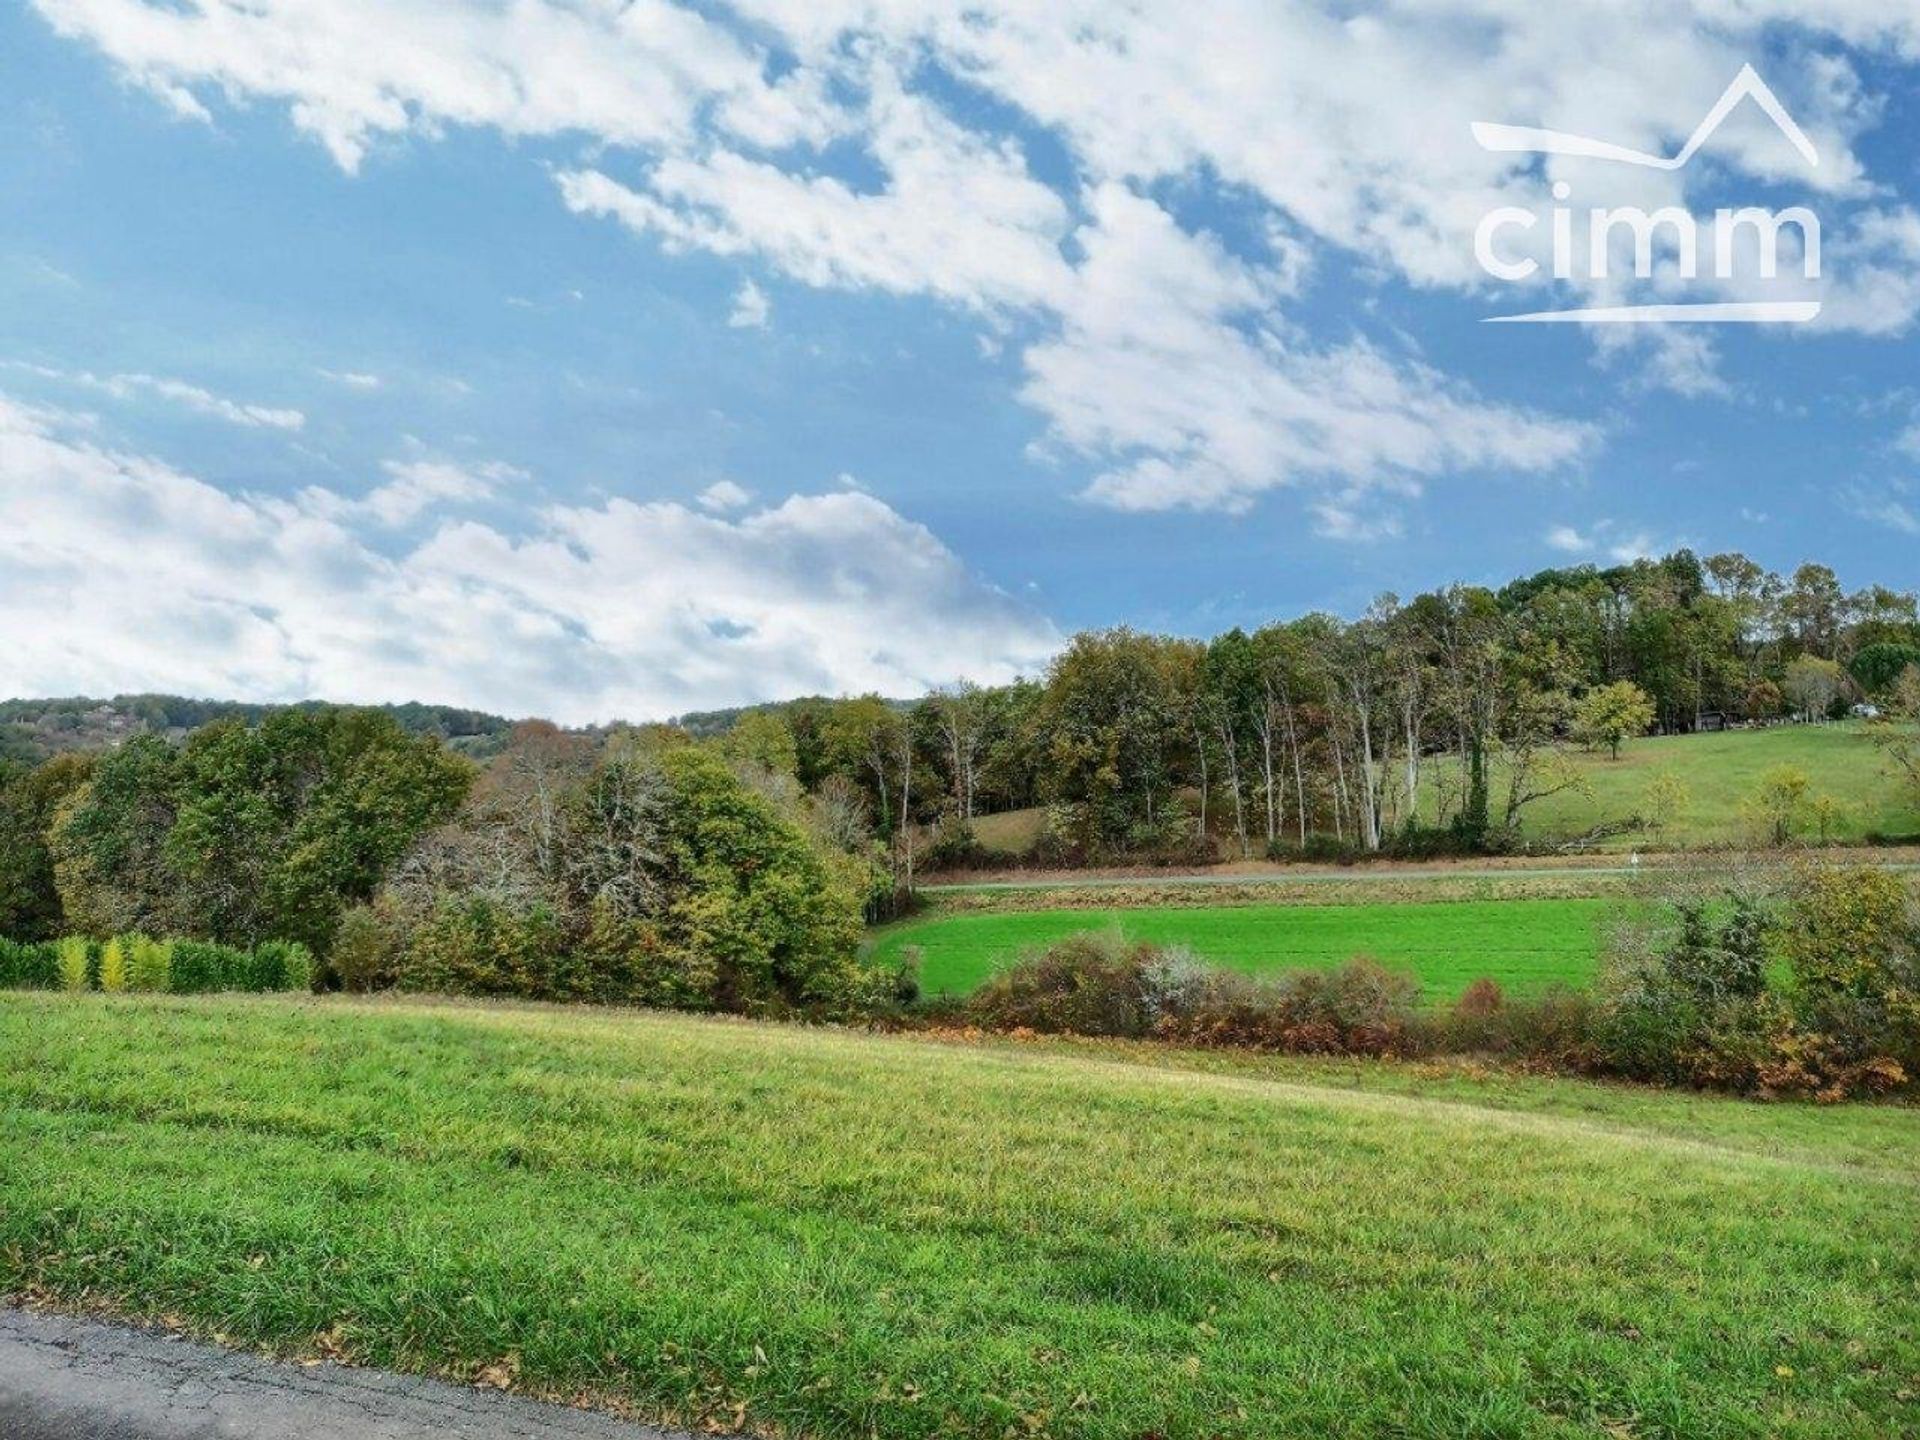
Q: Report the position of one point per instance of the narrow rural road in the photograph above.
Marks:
(65, 1379)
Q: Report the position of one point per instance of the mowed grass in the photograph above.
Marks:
(1526, 945)
(820, 1233)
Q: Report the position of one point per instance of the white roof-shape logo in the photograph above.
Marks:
(1747, 85)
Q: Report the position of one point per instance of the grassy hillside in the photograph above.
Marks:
(828, 1234)
(1524, 944)
(1721, 772)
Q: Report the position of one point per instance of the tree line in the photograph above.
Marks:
(1436, 722)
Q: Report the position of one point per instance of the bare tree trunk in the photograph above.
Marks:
(1233, 782)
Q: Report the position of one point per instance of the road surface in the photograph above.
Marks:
(65, 1379)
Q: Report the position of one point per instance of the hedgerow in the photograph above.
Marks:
(156, 966)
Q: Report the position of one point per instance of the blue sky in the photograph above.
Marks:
(602, 359)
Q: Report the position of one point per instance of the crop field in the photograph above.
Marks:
(820, 1233)
(1526, 945)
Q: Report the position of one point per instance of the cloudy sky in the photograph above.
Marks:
(622, 357)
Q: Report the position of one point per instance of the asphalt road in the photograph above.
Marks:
(65, 1379)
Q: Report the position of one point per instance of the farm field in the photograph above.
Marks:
(1719, 771)
(814, 1232)
(1526, 945)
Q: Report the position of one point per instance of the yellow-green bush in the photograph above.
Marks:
(113, 965)
(73, 956)
(149, 964)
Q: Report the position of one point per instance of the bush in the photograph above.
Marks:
(1092, 984)
(1098, 984)
(75, 960)
(366, 949)
(474, 945)
(279, 965)
(149, 964)
(29, 965)
(1700, 998)
(1553, 1030)
(1359, 1008)
(113, 965)
(200, 968)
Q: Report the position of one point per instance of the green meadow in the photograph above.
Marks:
(808, 1232)
(1526, 945)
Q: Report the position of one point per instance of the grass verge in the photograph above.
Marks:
(824, 1233)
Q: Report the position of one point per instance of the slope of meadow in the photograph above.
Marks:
(820, 1233)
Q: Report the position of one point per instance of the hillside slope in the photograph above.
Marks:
(813, 1232)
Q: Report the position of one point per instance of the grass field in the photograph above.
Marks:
(821, 1233)
(1526, 945)
(1720, 772)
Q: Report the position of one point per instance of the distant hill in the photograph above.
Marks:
(32, 730)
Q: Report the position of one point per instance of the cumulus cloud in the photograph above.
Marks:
(119, 572)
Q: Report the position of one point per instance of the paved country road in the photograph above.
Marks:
(64, 1379)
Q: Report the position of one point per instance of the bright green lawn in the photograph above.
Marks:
(1524, 944)
(837, 1235)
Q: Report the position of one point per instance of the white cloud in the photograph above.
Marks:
(177, 392)
(1568, 540)
(1892, 506)
(352, 379)
(120, 572)
(354, 70)
(1149, 348)
(1907, 442)
(417, 486)
(1604, 537)
(724, 495)
(751, 308)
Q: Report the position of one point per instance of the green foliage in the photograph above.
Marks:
(474, 945)
(279, 965)
(1812, 988)
(1878, 667)
(657, 875)
(245, 834)
(201, 967)
(366, 948)
(746, 895)
(113, 964)
(1779, 805)
(1609, 715)
(29, 965)
(149, 964)
(74, 956)
(29, 802)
